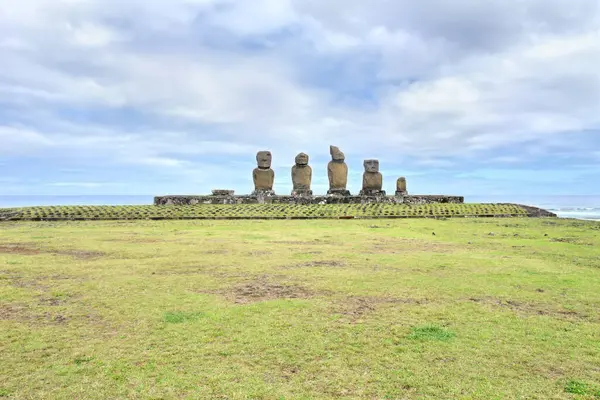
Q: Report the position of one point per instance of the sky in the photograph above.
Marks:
(149, 97)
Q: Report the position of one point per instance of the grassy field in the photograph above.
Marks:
(259, 211)
(325, 309)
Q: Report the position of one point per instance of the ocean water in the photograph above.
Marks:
(579, 207)
(574, 206)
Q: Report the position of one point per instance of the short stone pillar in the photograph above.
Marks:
(302, 176)
(401, 187)
(337, 171)
(263, 175)
(372, 179)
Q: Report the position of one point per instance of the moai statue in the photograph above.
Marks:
(337, 170)
(401, 187)
(301, 176)
(372, 179)
(263, 176)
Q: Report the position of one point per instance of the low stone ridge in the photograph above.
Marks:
(534, 212)
(222, 192)
(273, 199)
(269, 211)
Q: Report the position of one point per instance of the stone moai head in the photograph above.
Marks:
(302, 159)
(263, 159)
(336, 154)
(371, 165)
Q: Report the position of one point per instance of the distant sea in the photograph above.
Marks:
(578, 206)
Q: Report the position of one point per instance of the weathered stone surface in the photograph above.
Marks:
(302, 159)
(371, 165)
(372, 179)
(337, 171)
(336, 153)
(263, 179)
(273, 199)
(222, 192)
(301, 176)
(264, 159)
(263, 176)
(338, 192)
(401, 187)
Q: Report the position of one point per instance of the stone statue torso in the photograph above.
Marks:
(301, 177)
(338, 174)
(372, 181)
(263, 178)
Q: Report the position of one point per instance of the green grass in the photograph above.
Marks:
(177, 317)
(431, 332)
(382, 309)
(259, 211)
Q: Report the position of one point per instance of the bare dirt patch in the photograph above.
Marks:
(318, 264)
(23, 249)
(409, 245)
(264, 289)
(52, 301)
(292, 242)
(529, 309)
(185, 271)
(259, 253)
(81, 254)
(41, 283)
(355, 308)
(30, 249)
(135, 239)
(24, 314)
(214, 252)
(33, 284)
(571, 240)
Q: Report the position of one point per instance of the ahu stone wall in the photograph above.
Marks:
(273, 199)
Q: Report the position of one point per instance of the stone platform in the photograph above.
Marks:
(274, 199)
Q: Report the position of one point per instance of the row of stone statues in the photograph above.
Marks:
(337, 171)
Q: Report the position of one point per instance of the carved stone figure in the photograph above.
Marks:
(372, 179)
(263, 176)
(401, 187)
(337, 170)
(301, 176)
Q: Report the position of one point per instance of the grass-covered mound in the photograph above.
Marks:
(262, 211)
(380, 309)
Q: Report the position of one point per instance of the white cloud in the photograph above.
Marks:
(433, 80)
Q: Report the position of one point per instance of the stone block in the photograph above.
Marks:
(222, 192)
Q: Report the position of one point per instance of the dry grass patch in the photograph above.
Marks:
(265, 289)
(399, 246)
(22, 249)
(23, 313)
(528, 309)
(318, 264)
(294, 242)
(354, 309)
(31, 249)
